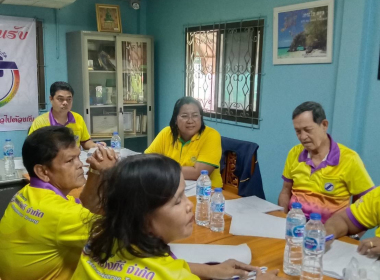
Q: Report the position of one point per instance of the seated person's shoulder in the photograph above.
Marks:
(347, 152)
(211, 132)
(77, 116)
(296, 150)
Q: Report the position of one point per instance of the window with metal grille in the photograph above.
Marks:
(40, 66)
(223, 69)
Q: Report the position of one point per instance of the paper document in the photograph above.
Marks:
(201, 253)
(126, 153)
(255, 223)
(247, 204)
(339, 256)
(190, 184)
(19, 164)
(190, 188)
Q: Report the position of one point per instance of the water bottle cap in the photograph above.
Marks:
(204, 172)
(7, 140)
(218, 189)
(115, 133)
(315, 216)
(296, 205)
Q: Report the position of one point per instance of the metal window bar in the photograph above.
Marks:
(223, 70)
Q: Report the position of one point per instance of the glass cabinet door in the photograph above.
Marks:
(101, 95)
(134, 81)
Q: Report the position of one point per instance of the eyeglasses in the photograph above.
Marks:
(61, 99)
(186, 118)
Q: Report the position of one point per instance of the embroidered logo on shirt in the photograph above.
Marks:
(193, 159)
(76, 137)
(358, 202)
(329, 187)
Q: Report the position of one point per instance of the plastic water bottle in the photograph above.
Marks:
(9, 163)
(313, 249)
(295, 224)
(217, 211)
(202, 210)
(116, 143)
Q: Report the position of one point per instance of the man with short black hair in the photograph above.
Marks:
(61, 98)
(319, 173)
(43, 231)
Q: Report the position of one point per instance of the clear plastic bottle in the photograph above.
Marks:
(313, 249)
(116, 143)
(217, 211)
(295, 224)
(9, 163)
(202, 210)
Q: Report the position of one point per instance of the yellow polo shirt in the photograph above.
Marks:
(365, 212)
(74, 121)
(128, 267)
(205, 148)
(328, 187)
(42, 234)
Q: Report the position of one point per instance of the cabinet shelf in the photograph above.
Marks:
(101, 71)
(102, 106)
(134, 104)
(126, 136)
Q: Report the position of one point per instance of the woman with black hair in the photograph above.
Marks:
(190, 142)
(144, 209)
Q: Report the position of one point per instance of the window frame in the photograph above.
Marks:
(220, 29)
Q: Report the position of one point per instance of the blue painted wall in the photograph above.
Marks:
(78, 16)
(347, 88)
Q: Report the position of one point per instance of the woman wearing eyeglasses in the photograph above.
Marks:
(187, 140)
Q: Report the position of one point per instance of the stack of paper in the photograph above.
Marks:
(190, 188)
(339, 256)
(255, 223)
(248, 204)
(199, 253)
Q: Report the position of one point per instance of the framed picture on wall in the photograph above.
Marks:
(108, 18)
(303, 33)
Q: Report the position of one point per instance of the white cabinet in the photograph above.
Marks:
(112, 77)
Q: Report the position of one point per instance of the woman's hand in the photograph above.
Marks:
(230, 268)
(102, 159)
(370, 246)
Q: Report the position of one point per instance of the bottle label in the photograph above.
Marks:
(312, 244)
(217, 207)
(8, 153)
(204, 191)
(298, 231)
(294, 231)
(115, 144)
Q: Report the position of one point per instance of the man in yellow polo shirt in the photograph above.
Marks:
(61, 98)
(43, 230)
(361, 215)
(319, 173)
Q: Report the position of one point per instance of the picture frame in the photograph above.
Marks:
(104, 124)
(129, 121)
(108, 18)
(303, 33)
(138, 124)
